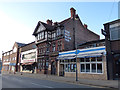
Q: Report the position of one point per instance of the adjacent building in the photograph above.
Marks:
(52, 38)
(10, 59)
(28, 61)
(91, 61)
(112, 39)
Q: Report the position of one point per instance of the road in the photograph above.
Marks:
(10, 81)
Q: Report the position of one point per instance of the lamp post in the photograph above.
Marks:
(75, 18)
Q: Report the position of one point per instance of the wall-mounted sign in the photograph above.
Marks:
(67, 36)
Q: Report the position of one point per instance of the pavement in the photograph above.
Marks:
(14, 81)
(97, 83)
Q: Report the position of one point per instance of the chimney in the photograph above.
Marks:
(73, 12)
(85, 26)
(49, 22)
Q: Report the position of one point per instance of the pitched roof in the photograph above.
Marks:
(64, 21)
(20, 44)
(29, 46)
(91, 42)
(48, 27)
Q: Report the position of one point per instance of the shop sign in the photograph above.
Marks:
(30, 60)
(12, 64)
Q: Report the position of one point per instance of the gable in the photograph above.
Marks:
(15, 46)
(40, 28)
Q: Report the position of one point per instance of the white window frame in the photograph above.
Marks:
(96, 62)
(117, 30)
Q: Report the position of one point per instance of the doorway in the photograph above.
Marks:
(53, 68)
(116, 66)
(61, 72)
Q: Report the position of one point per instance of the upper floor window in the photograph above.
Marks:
(11, 52)
(53, 35)
(58, 32)
(53, 47)
(49, 34)
(115, 33)
(8, 53)
(14, 50)
(59, 45)
(40, 36)
(28, 56)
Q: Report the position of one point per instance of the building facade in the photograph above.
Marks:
(10, 59)
(112, 39)
(91, 61)
(28, 58)
(51, 38)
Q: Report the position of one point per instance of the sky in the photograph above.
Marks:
(19, 19)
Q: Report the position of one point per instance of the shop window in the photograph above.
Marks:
(94, 65)
(70, 67)
(93, 59)
(87, 60)
(47, 63)
(74, 67)
(99, 68)
(82, 60)
(94, 68)
(82, 67)
(66, 68)
(99, 59)
(87, 67)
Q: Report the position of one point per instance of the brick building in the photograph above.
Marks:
(28, 58)
(10, 59)
(52, 38)
(112, 39)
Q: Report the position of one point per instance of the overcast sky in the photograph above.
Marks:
(19, 19)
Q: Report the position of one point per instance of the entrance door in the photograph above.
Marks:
(53, 68)
(117, 66)
(61, 73)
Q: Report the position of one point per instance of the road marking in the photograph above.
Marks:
(41, 85)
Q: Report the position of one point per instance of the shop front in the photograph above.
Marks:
(28, 61)
(12, 67)
(91, 63)
(5, 66)
(28, 67)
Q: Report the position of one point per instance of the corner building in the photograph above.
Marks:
(52, 38)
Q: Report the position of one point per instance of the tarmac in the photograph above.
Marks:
(113, 84)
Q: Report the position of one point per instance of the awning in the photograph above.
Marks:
(89, 55)
(79, 56)
(30, 63)
(65, 57)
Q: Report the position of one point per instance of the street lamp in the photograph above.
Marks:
(75, 18)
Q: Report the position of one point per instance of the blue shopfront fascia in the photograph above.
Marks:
(82, 53)
(12, 64)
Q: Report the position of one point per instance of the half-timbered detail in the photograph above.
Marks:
(52, 38)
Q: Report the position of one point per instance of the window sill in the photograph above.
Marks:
(90, 73)
(70, 72)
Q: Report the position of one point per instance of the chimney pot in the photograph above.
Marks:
(49, 22)
(73, 12)
(85, 25)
